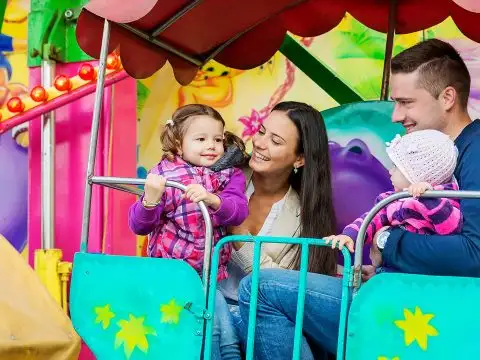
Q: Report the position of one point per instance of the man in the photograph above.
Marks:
(430, 86)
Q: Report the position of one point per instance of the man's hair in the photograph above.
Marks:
(439, 65)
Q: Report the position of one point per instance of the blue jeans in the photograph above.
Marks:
(277, 308)
(225, 342)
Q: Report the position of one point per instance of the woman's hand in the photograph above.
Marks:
(238, 230)
(154, 188)
(197, 193)
(342, 240)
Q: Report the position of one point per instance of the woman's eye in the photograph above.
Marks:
(201, 139)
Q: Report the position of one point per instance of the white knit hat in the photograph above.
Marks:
(424, 156)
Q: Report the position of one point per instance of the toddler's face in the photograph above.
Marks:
(399, 181)
(202, 143)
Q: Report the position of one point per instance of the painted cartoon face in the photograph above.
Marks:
(357, 179)
(202, 144)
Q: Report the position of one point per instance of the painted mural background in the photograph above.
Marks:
(13, 145)
(352, 51)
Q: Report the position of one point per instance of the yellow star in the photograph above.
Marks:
(170, 312)
(387, 358)
(133, 334)
(416, 327)
(104, 315)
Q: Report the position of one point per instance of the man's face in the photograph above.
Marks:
(415, 108)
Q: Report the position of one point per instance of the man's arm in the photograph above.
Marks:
(456, 255)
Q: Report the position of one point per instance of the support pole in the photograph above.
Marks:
(392, 24)
(48, 163)
(97, 110)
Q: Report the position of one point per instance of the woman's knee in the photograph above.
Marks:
(244, 289)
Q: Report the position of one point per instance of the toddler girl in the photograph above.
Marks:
(424, 160)
(193, 142)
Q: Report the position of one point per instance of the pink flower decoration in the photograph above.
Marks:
(252, 123)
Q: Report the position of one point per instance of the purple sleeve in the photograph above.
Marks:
(143, 221)
(233, 208)
(378, 221)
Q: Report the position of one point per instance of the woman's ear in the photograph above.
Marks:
(300, 162)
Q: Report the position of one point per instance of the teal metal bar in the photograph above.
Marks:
(318, 72)
(302, 287)
(252, 316)
(258, 240)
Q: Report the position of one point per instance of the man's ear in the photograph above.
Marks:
(448, 98)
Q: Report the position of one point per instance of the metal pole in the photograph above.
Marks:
(392, 24)
(117, 182)
(97, 109)
(48, 163)
(357, 276)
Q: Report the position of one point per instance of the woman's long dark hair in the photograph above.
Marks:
(313, 184)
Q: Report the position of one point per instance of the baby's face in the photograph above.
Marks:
(399, 181)
(202, 143)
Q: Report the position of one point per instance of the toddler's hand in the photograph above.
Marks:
(154, 188)
(418, 189)
(342, 240)
(197, 193)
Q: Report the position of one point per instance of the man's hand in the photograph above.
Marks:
(375, 254)
(368, 271)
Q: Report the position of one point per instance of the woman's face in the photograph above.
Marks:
(275, 146)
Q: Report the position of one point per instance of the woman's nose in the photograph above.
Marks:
(259, 142)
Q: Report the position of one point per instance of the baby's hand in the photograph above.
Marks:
(417, 190)
(342, 240)
(197, 193)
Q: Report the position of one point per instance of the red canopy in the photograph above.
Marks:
(242, 34)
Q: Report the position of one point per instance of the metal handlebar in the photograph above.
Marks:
(357, 275)
(109, 181)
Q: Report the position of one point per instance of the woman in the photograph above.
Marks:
(289, 190)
